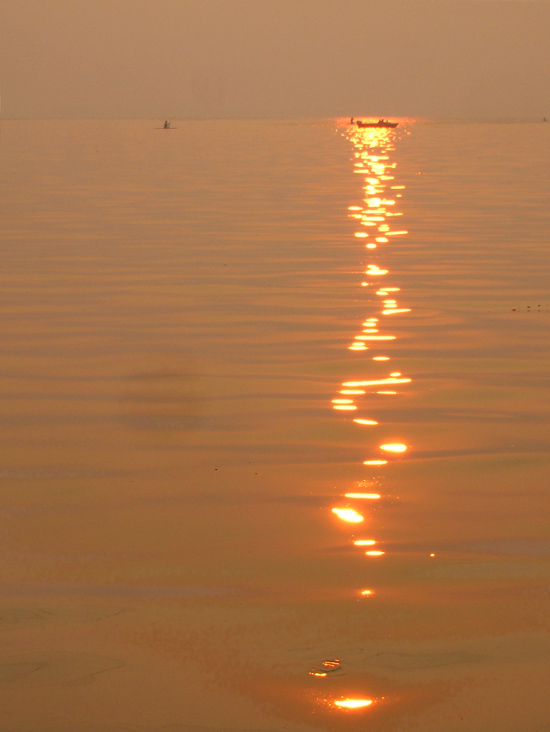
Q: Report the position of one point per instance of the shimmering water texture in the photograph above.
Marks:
(274, 427)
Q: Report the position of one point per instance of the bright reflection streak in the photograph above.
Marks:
(371, 246)
(366, 593)
(365, 542)
(353, 703)
(361, 235)
(352, 391)
(342, 401)
(365, 421)
(344, 407)
(368, 496)
(370, 330)
(396, 233)
(381, 239)
(374, 553)
(349, 515)
(380, 358)
(394, 447)
(395, 310)
(395, 373)
(375, 338)
(386, 392)
(376, 382)
(357, 347)
(355, 208)
(375, 462)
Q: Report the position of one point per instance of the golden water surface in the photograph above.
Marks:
(275, 427)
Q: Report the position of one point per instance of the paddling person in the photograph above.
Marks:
(166, 125)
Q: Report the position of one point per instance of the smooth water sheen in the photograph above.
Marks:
(245, 487)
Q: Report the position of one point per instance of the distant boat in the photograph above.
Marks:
(167, 126)
(380, 123)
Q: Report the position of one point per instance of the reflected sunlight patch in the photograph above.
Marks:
(394, 447)
(348, 514)
(353, 703)
(368, 496)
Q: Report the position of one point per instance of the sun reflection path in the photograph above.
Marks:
(374, 220)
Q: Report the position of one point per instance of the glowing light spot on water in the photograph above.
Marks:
(375, 338)
(397, 233)
(380, 358)
(376, 272)
(393, 310)
(386, 392)
(355, 208)
(366, 593)
(342, 401)
(377, 382)
(374, 553)
(345, 407)
(365, 542)
(395, 373)
(361, 235)
(353, 703)
(348, 514)
(367, 496)
(365, 421)
(381, 239)
(371, 246)
(375, 462)
(395, 188)
(394, 447)
(351, 391)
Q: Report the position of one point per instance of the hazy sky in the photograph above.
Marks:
(274, 58)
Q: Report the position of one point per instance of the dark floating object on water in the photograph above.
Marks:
(326, 667)
(380, 123)
(167, 126)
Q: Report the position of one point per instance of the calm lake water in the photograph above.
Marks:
(202, 531)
